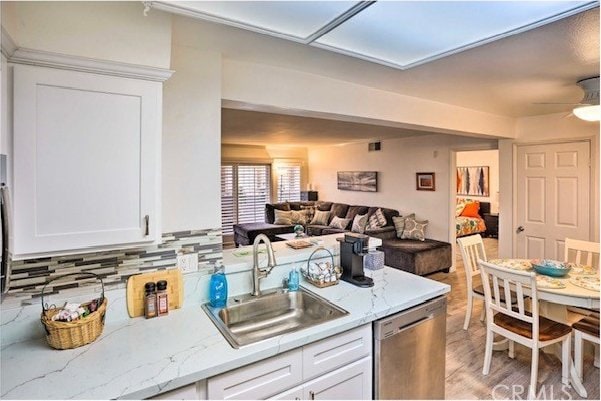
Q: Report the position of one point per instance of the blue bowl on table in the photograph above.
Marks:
(551, 268)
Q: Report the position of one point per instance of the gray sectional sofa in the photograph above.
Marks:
(418, 257)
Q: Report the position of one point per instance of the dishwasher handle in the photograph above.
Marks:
(405, 320)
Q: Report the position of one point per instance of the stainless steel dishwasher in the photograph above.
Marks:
(409, 350)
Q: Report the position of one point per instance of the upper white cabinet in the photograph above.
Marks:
(86, 160)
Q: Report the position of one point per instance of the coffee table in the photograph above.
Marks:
(290, 236)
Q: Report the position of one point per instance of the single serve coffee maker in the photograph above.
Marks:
(353, 248)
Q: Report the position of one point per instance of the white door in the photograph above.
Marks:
(352, 382)
(86, 160)
(553, 197)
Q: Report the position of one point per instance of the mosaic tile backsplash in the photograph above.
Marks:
(29, 276)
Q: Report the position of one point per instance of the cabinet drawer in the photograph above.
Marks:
(333, 352)
(259, 380)
(352, 382)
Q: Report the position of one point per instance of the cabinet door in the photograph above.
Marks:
(352, 382)
(86, 160)
(258, 381)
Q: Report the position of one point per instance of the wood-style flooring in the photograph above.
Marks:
(465, 354)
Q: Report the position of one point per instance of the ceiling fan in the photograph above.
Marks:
(588, 109)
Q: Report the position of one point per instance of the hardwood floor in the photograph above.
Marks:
(465, 354)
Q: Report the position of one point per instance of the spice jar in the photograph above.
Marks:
(162, 298)
(150, 300)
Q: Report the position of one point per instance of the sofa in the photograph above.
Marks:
(245, 234)
(417, 257)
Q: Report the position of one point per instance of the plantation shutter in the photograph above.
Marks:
(245, 189)
(289, 183)
(228, 200)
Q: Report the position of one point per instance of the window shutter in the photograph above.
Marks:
(289, 183)
(253, 193)
(228, 210)
(245, 189)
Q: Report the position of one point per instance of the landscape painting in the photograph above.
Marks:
(364, 181)
(473, 181)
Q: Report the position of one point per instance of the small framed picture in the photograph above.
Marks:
(425, 182)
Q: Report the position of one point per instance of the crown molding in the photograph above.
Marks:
(8, 45)
(84, 64)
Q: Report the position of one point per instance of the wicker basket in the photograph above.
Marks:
(68, 335)
(314, 281)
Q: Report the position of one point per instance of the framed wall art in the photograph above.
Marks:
(425, 182)
(473, 181)
(364, 181)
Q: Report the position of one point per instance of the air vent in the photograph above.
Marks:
(374, 146)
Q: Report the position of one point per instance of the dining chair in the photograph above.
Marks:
(585, 329)
(585, 252)
(515, 323)
(472, 249)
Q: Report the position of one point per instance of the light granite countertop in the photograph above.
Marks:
(139, 358)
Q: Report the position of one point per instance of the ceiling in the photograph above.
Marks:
(506, 77)
(257, 128)
(400, 34)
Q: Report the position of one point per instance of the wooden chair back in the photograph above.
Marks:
(582, 252)
(497, 279)
(472, 250)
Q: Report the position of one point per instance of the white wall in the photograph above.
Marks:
(396, 165)
(541, 129)
(488, 158)
(116, 31)
(192, 141)
(271, 86)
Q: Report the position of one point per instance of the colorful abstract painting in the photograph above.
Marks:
(473, 181)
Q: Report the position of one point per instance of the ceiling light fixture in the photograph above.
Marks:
(589, 109)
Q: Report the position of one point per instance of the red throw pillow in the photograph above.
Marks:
(471, 209)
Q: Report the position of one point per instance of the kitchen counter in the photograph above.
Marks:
(140, 358)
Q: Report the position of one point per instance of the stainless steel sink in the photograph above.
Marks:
(247, 319)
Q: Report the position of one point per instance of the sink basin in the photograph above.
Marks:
(246, 320)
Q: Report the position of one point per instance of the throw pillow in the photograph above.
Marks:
(298, 217)
(471, 209)
(376, 220)
(414, 229)
(399, 224)
(359, 223)
(459, 206)
(320, 218)
(282, 217)
(339, 222)
(309, 211)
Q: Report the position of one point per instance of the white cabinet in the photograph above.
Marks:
(338, 367)
(259, 380)
(333, 352)
(86, 160)
(352, 382)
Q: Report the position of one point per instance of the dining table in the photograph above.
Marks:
(555, 295)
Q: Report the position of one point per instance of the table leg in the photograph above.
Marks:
(575, 380)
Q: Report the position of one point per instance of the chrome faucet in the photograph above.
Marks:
(259, 273)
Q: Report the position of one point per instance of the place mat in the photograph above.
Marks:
(588, 282)
(550, 283)
(582, 270)
(515, 264)
(299, 244)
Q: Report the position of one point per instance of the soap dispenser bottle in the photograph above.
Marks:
(293, 280)
(218, 287)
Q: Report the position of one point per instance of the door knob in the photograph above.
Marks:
(520, 229)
